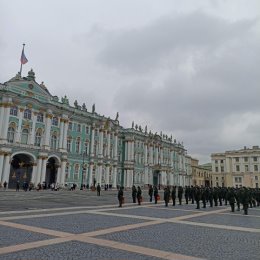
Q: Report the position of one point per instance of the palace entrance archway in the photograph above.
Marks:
(51, 171)
(20, 170)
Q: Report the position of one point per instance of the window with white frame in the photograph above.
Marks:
(76, 172)
(78, 127)
(86, 149)
(78, 145)
(69, 139)
(40, 117)
(55, 121)
(54, 141)
(27, 114)
(38, 137)
(237, 168)
(70, 126)
(13, 111)
(255, 168)
(10, 134)
(25, 136)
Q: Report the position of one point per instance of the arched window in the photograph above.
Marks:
(38, 137)
(86, 150)
(24, 137)
(27, 114)
(10, 135)
(69, 144)
(40, 117)
(78, 145)
(13, 111)
(95, 148)
(76, 172)
(55, 121)
(79, 128)
(54, 141)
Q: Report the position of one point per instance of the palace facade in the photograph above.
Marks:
(46, 140)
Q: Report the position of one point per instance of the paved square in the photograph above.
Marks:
(92, 227)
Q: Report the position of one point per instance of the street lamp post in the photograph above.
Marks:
(83, 168)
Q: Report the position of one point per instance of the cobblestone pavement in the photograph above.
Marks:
(80, 225)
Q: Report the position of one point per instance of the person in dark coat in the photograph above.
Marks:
(173, 195)
(197, 197)
(98, 189)
(120, 196)
(17, 186)
(139, 195)
(203, 197)
(180, 192)
(211, 197)
(245, 200)
(166, 196)
(5, 185)
(134, 193)
(155, 194)
(187, 194)
(231, 198)
(150, 192)
(215, 196)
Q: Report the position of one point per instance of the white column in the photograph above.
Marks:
(34, 118)
(34, 174)
(6, 168)
(39, 171)
(161, 154)
(1, 166)
(171, 158)
(2, 110)
(6, 122)
(63, 168)
(65, 133)
(108, 144)
(100, 150)
(61, 139)
(114, 184)
(99, 174)
(133, 150)
(156, 154)
(47, 130)
(90, 174)
(146, 181)
(58, 180)
(115, 147)
(43, 176)
(129, 150)
(20, 117)
(151, 155)
(145, 154)
(92, 141)
(107, 175)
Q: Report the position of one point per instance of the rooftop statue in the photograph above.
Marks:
(65, 100)
(93, 108)
(117, 116)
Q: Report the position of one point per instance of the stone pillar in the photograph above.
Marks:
(2, 110)
(58, 180)
(100, 150)
(63, 168)
(145, 154)
(161, 155)
(61, 139)
(90, 174)
(115, 146)
(65, 133)
(44, 162)
(99, 174)
(146, 181)
(133, 150)
(34, 118)
(92, 140)
(6, 121)
(34, 174)
(156, 154)
(108, 144)
(114, 178)
(107, 174)
(151, 154)
(1, 165)
(131, 176)
(6, 168)
(47, 130)
(20, 117)
(39, 170)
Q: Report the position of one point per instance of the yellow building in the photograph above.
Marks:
(201, 174)
(236, 168)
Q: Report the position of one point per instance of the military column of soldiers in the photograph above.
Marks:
(217, 196)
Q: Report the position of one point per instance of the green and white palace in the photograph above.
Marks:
(44, 139)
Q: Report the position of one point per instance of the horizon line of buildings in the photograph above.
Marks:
(46, 140)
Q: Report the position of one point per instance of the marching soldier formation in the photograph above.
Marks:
(217, 196)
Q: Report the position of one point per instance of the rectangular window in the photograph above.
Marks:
(237, 159)
(255, 159)
(216, 161)
(222, 168)
(87, 130)
(246, 168)
(79, 128)
(70, 126)
(256, 178)
(221, 161)
(255, 168)
(237, 168)
(245, 159)
(238, 179)
(216, 169)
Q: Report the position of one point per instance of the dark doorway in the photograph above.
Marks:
(156, 178)
(51, 171)
(20, 170)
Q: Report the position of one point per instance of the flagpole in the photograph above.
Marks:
(21, 61)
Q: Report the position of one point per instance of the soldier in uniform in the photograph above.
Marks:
(139, 195)
(210, 197)
(180, 192)
(150, 192)
(231, 198)
(215, 196)
(166, 196)
(203, 197)
(155, 194)
(245, 199)
(134, 193)
(120, 196)
(197, 197)
(186, 194)
(173, 195)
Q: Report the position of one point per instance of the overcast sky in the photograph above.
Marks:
(186, 68)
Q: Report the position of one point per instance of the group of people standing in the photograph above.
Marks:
(217, 196)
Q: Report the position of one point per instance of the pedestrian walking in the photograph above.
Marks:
(134, 193)
(139, 195)
(120, 196)
(98, 189)
(166, 196)
(150, 192)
